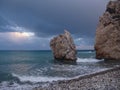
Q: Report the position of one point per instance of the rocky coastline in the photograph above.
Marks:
(107, 46)
(103, 80)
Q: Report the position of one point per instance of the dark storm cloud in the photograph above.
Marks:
(3, 24)
(50, 17)
(47, 18)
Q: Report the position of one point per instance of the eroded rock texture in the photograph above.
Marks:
(63, 47)
(107, 44)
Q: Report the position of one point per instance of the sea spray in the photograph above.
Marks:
(91, 60)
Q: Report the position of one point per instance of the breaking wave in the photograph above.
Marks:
(88, 60)
(36, 79)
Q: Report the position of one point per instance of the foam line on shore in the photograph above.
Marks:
(36, 79)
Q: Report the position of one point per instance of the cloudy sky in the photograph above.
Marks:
(30, 24)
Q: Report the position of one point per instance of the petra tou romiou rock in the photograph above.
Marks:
(107, 43)
(63, 47)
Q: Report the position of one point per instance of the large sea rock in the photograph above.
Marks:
(107, 44)
(63, 47)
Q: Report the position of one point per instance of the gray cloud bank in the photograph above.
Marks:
(50, 17)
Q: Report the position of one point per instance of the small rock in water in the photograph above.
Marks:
(63, 47)
(107, 44)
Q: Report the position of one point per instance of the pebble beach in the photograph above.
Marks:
(103, 80)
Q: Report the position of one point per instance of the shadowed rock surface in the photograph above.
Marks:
(63, 47)
(107, 44)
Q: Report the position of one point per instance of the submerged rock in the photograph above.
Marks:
(107, 44)
(63, 47)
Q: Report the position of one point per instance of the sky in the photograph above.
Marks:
(31, 24)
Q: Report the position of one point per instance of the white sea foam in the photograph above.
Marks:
(88, 60)
(35, 79)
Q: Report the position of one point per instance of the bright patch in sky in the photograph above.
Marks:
(19, 37)
(22, 34)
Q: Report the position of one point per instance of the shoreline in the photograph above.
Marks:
(102, 80)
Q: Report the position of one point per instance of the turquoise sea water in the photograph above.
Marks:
(21, 70)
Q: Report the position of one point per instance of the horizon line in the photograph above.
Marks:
(41, 50)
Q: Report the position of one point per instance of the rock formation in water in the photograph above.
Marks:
(63, 47)
(107, 43)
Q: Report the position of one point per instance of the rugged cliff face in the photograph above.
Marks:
(63, 47)
(107, 43)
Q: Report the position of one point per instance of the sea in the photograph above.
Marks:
(25, 70)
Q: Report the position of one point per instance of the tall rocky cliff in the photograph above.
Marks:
(63, 47)
(107, 43)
